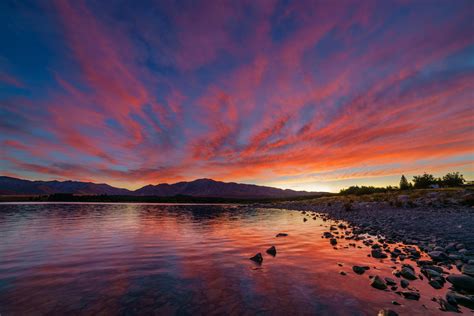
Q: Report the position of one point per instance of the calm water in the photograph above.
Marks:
(162, 259)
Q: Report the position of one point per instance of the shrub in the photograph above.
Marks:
(453, 179)
(424, 181)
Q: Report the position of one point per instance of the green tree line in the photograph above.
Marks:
(423, 181)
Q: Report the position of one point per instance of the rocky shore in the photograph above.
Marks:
(436, 228)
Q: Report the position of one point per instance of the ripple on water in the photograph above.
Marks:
(131, 258)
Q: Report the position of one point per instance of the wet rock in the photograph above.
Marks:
(408, 273)
(328, 235)
(359, 269)
(272, 251)
(257, 258)
(464, 300)
(468, 269)
(390, 281)
(438, 255)
(342, 273)
(333, 241)
(377, 253)
(411, 295)
(281, 235)
(396, 303)
(445, 306)
(435, 284)
(378, 283)
(404, 284)
(387, 312)
(462, 282)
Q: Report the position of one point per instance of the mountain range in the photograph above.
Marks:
(196, 188)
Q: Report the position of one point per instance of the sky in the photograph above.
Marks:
(307, 95)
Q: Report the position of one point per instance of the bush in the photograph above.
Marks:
(424, 181)
(365, 190)
(453, 179)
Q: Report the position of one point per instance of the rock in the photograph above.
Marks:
(359, 269)
(468, 269)
(386, 312)
(435, 284)
(429, 273)
(408, 273)
(257, 258)
(328, 235)
(333, 241)
(404, 284)
(390, 281)
(438, 255)
(376, 253)
(462, 282)
(281, 235)
(411, 295)
(378, 283)
(447, 307)
(464, 300)
(342, 273)
(304, 219)
(272, 251)
(396, 303)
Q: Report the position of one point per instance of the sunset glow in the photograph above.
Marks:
(309, 95)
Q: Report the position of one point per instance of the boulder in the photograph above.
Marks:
(257, 258)
(281, 235)
(408, 273)
(272, 251)
(462, 282)
(386, 312)
(378, 283)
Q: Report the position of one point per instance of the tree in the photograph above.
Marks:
(424, 181)
(404, 185)
(453, 179)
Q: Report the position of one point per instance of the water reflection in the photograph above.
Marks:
(158, 259)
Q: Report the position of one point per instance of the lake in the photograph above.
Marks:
(184, 259)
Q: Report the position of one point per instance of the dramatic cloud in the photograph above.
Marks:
(306, 95)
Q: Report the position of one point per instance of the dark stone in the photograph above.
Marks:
(435, 284)
(333, 241)
(390, 281)
(257, 258)
(378, 283)
(358, 269)
(376, 253)
(342, 273)
(410, 295)
(447, 307)
(408, 273)
(281, 235)
(272, 251)
(404, 284)
(462, 282)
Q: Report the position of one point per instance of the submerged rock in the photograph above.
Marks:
(464, 300)
(411, 295)
(390, 281)
(435, 284)
(257, 258)
(272, 251)
(376, 253)
(408, 273)
(445, 306)
(378, 283)
(404, 284)
(281, 235)
(333, 241)
(359, 269)
(462, 282)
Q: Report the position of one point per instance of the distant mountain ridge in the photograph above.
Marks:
(196, 188)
